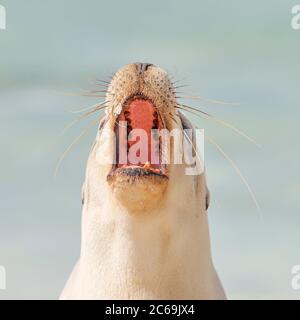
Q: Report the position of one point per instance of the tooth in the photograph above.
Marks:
(147, 165)
(118, 109)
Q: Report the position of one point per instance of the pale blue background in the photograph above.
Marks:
(243, 51)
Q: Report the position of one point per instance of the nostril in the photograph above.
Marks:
(142, 67)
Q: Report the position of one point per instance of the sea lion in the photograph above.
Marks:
(144, 226)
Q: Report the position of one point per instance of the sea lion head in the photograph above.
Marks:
(128, 162)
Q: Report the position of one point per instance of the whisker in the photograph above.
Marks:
(200, 160)
(97, 91)
(212, 101)
(93, 80)
(179, 80)
(88, 108)
(176, 92)
(195, 149)
(181, 86)
(88, 113)
(102, 85)
(103, 81)
(118, 124)
(86, 95)
(224, 123)
(238, 171)
(60, 160)
(172, 117)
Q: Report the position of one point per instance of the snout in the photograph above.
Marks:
(143, 66)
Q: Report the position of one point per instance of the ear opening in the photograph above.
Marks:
(102, 123)
(207, 198)
(82, 193)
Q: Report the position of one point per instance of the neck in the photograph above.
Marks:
(164, 254)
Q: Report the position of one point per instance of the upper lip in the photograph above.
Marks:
(138, 95)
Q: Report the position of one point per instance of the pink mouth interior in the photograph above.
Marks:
(139, 114)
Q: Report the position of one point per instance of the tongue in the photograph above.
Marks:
(140, 114)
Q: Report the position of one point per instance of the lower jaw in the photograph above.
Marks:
(138, 190)
(136, 172)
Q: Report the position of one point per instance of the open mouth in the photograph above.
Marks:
(138, 140)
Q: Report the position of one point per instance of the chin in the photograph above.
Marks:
(138, 189)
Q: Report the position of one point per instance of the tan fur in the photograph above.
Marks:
(143, 238)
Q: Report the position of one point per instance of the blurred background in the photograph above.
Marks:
(237, 51)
